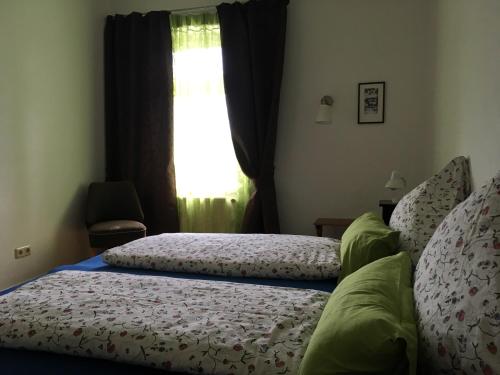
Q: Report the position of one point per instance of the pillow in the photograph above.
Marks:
(419, 212)
(365, 240)
(457, 289)
(368, 324)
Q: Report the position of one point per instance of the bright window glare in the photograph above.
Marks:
(205, 162)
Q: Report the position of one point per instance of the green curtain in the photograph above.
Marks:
(215, 215)
(194, 31)
(212, 191)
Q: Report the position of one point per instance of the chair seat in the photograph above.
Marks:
(113, 233)
(117, 226)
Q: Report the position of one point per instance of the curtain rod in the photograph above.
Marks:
(183, 10)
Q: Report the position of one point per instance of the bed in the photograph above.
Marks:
(30, 361)
(192, 326)
(186, 322)
(315, 320)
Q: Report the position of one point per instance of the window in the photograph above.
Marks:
(212, 191)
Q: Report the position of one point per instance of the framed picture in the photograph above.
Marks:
(371, 107)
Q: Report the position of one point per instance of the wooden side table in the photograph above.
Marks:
(337, 223)
(387, 207)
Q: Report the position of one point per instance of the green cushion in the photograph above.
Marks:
(368, 324)
(367, 239)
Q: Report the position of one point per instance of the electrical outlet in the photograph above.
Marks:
(21, 252)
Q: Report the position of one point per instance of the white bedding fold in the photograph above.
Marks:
(192, 326)
(249, 255)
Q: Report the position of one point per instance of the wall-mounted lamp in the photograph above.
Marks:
(395, 183)
(324, 115)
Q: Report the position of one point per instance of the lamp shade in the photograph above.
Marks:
(396, 182)
(324, 115)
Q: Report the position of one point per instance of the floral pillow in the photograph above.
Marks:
(457, 289)
(419, 212)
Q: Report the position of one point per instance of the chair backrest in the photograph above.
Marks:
(113, 201)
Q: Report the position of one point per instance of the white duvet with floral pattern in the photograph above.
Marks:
(250, 255)
(419, 213)
(457, 289)
(192, 326)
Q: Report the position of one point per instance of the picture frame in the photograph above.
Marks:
(371, 102)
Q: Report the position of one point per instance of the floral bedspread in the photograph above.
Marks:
(192, 326)
(251, 255)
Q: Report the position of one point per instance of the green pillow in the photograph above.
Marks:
(368, 324)
(367, 239)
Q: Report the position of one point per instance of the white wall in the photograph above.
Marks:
(51, 130)
(339, 170)
(465, 84)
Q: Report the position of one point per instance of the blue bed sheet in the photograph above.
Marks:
(20, 362)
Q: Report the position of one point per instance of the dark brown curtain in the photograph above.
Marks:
(139, 122)
(253, 39)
